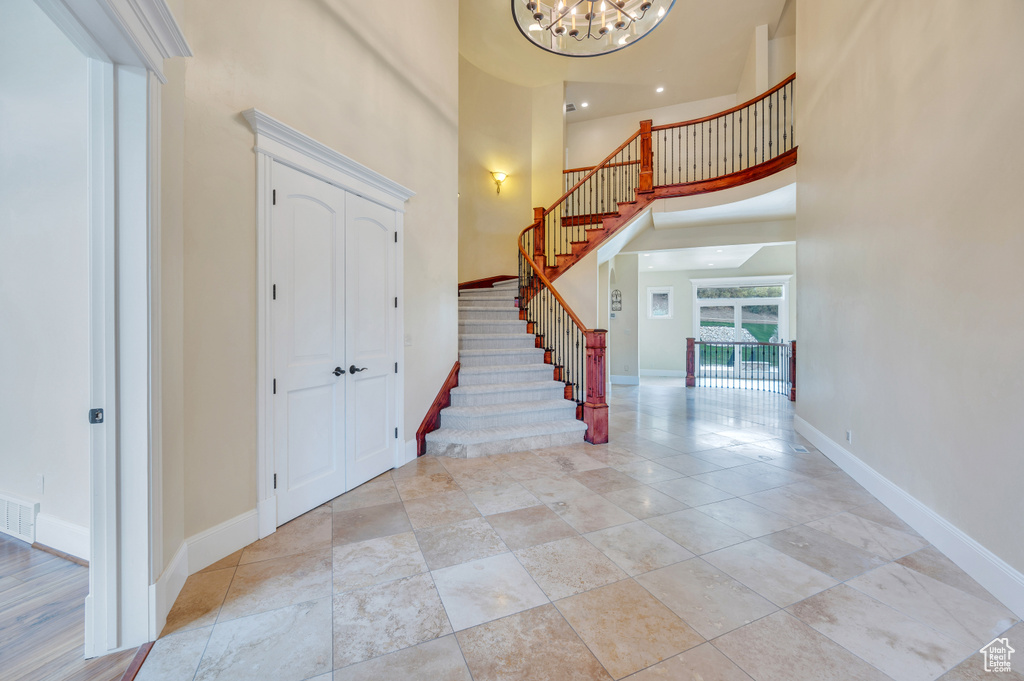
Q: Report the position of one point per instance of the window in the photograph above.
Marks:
(745, 309)
(659, 302)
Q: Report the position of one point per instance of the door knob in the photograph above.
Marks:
(338, 371)
(352, 369)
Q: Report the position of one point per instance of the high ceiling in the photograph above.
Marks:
(697, 52)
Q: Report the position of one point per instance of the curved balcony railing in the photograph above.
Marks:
(740, 145)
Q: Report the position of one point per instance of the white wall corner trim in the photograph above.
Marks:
(62, 535)
(103, 29)
(410, 451)
(291, 147)
(152, 29)
(165, 591)
(625, 380)
(220, 541)
(988, 569)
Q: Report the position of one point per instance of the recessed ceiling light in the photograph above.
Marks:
(711, 264)
(661, 89)
(719, 250)
(584, 104)
(647, 255)
(650, 267)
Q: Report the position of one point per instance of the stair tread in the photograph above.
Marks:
(479, 336)
(485, 388)
(501, 351)
(505, 367)
(509, 408)
(506, 432)
(503, 308)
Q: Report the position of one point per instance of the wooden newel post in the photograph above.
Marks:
(691, 362)
(792, 371)
(595, 409)
(538, 232)
(646, 158)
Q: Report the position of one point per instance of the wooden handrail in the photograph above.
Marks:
(547, 283)
(610, 165)
(744, 105)
(590, 174)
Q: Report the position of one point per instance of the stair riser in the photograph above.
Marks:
(500, 315)
(506, 397)
(497, 343)
(497, 359)
(522, 444)
(480, 326)
(506, 377)
(486, 302)
(511, 419)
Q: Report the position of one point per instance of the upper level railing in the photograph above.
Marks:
(667, 160)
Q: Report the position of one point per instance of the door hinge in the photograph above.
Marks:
(95, 416)
(275, 480)
(396, 237)
(275, 292)
(396, 301)
(396, 367)
(275, 386)
(396, 433)
(274, 198)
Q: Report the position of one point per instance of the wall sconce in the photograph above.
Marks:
(499, 177)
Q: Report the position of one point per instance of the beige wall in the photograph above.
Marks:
(548, 144)
(622, 330)
(495, 133)
(44, 265)
(386, 95)
(590, 142)
(662, 342)
(909, 248)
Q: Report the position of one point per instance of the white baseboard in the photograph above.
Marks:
(988, 569)
(625, 380)
(220, 541)
(163, 594)
(668, 373)
(62, 535)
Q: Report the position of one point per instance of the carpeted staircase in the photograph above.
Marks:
(506, 400)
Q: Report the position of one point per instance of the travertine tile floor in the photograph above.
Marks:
(698, 544)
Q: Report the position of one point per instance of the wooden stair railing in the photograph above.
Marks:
(576, 352)
(743, 144)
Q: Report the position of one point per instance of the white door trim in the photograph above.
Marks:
(126, 41)
(276, 141)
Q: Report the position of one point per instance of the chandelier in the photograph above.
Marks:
(587, 28)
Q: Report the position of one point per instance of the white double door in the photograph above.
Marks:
(334, 326)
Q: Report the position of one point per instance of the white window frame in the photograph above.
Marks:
(738, 303)
(651, 290)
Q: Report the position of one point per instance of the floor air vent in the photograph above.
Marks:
(18, 518)
(801, 449)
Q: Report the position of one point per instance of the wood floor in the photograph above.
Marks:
(42, 619)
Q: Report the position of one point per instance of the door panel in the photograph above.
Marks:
(308, 231)
(370, 278)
